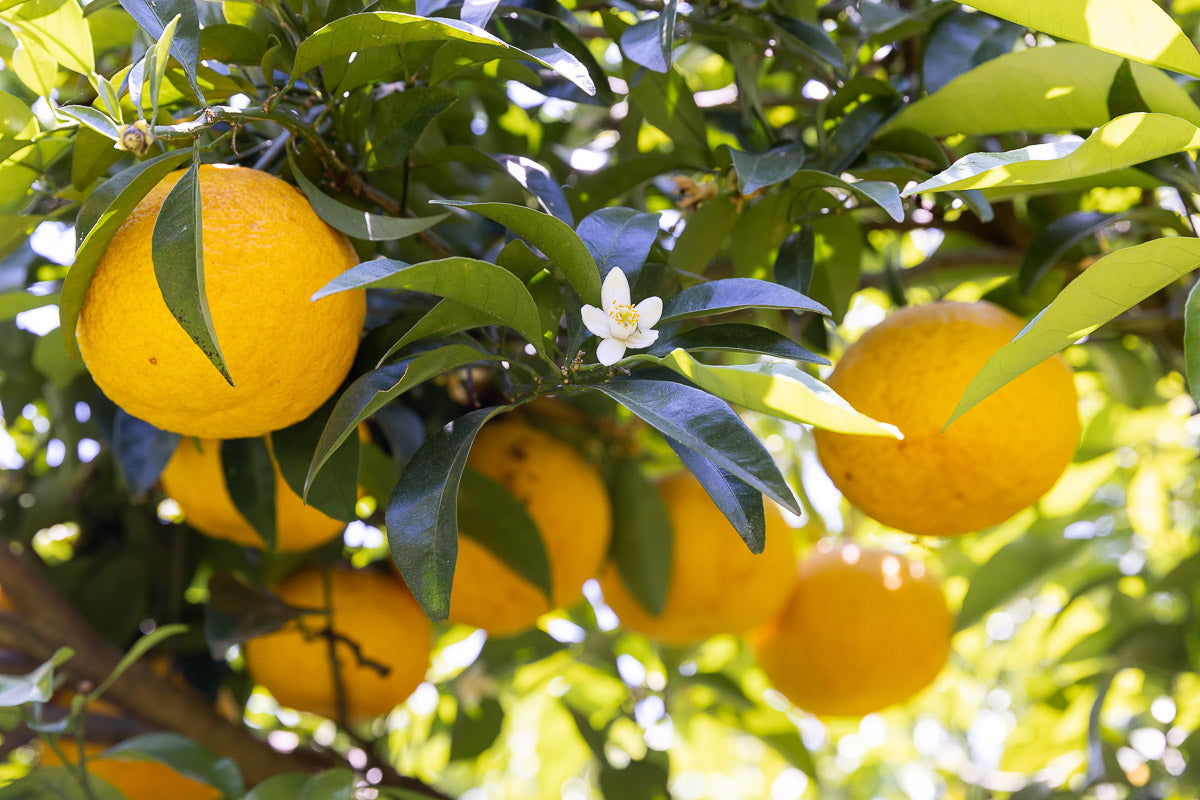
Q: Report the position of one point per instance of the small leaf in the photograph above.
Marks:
(397, 121)
(812, 37)
(701, 422)
(538, 181)
(796, 258)
(238, 611)
(422, 512)
(158, 64)
(250, 480)
(1191, 341)
(377, 388)
(1128, 140)
(779, 390)
(36, 686)
(882, 193)
(741, 504)
(335, 491)
(142, 451)
(142, 646)
(735, 294)
(642, 536)
(856, 130)
(478, 284)
(1058, 237)
(758, 170)
(177, 249)
(736, 337)
(1108, 287)
(641, 44)
(489, 514)
(360, 224)
(619, 238)
(550, 235)
(154, 15)
(475, 730)
(447, 317)
(96, 120)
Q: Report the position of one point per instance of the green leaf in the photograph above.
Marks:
(778, 390)
(707, 229)
(422, 512)
(58, 783)
(56, 27)
(619, 238)
(357, 32)
(278, 787)
(158, 64)
(484, 287)
(667, 103)
(701, 422)
(796, 258)
(475, 730)
(1058, 237)
(736, 337)
(142, 451)
(140, 648)
(18, 300)
(553, 237)
(852, 135)
(881, 193)
(1041, 89)
(758, 170)
(16, 118)
(1128, 140)
(1191, 341)
(641, 44)
(177, 248)
(232, 44)
(36, 686)
(811, 37)
(960, 41)
(489, 514)
(640, 780)
(250, 481)
(1135, 29)
(1108, 287)
(238, 611)
(96, 120)
(185, 757)
(642, 535)
(377, 388)
(735, 294)
(447, 317)
(335, 491)
(154, 15)
(359, 224)
(397, 121)
(741, 503)
(334, 784)
(478, 12)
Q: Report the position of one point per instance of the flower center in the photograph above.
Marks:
(624, 315)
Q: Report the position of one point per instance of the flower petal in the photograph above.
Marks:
(649, 312)
(615, 291)
(610, 351)
(641, 338)
(596, 321)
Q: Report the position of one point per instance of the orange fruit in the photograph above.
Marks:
(374, 612)
(195, 480)
(998, 458)
(565, 497)
(265, 253)
(862, 630)
(717, 585)
(137, 780)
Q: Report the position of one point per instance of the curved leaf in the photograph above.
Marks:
(1042, 89)
(1191, 341)
(154, 15)
(550, 235)
(250, 480)
(185, 757)
(735, 294)
(642, 535)
(447, 317)
(741, 503)
(489, 514)
(706, 424)
(1059, 237)
(737, 337)
(1127, 140)
(483, 286)
(1135, 29)
(1105, 289)
(758, 170)
(619, 237)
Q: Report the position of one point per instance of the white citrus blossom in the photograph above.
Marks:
(620, 324)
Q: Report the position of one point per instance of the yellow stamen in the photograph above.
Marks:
(624, 315)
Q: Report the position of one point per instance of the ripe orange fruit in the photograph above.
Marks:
(998, 458)
(195, 480)
(137, 780)
(565, 497)
(265, 253)
(717, 585)
(383, 643)
(863, 629)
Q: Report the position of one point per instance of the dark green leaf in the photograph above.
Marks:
(619, 238)
(397, 121)
(154, 15)
(596, 189)
(478, 284)
(278, 787)
(741, 504)
(335, 490)
(232, 44)
(58, 783)
(642, 536)
(795, 260)
(489, 514)
(961, 41)
(759, 170)
(99, 217)
(704, 423)
(667, 103)
(447, 317)
(735, 294)
(238, 611)
(881, 193)
(334, 784)
(376, 389)
(178, 251)
(855, 131)
(737, 337)
(812, 37)
(184, 756)
(1191, 341)
(1059, 236)
(639, 780)
(553, 237)
(1124, 97)
(422, 513)
(706, 230)
(474, 731)
(250, 480)
(142, 451)
(360, 224)
(538, 181)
